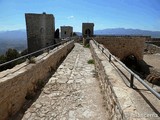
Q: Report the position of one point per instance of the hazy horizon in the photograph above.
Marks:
(81, 30)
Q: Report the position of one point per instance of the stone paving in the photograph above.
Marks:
(72, 93)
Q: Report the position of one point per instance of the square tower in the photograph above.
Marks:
(66, 31)
(40, 30)
(87, 29)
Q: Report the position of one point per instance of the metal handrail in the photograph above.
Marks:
(28, 55)
(133, 75)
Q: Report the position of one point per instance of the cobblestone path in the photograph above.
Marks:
(72, 93)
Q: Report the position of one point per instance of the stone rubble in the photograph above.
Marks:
(68, 95)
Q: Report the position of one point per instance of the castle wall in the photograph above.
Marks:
(121, 101)
(21, 81)
(151, 48)
(40, 30)
(111, 104)
(87, 26)
(66, 31)
(123, 46)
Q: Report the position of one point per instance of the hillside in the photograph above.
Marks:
(123, 31)
(16, 39)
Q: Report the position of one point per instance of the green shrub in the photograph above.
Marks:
(87, 46)
(81, 43)
(91, 61)
(40, 84)
(32, 60)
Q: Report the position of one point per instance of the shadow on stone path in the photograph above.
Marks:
(72, 93)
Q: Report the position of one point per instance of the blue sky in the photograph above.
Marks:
(137, 14)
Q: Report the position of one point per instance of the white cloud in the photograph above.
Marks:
(70, 17)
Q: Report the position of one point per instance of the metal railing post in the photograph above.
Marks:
(110, 57)
(48, 50)
(102, 50)
(132, 79)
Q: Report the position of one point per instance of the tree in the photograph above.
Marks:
(57, 33)
(12, 54)
(2, 59)
(24, 52)
(75, 34)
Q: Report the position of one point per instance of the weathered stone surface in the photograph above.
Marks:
(66, 31)
(22, 80)
(40, 30)
(122, 46)
(151, 48)
(121, 101)
(69, 94)
(153, 60)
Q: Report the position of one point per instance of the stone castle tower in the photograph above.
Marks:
(40, 30)
(66, 31)
(87, 29)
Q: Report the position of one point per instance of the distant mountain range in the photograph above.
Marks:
(79, 33)
(18, 39)
(123, 31)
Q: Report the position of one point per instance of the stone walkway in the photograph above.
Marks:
(72, 93)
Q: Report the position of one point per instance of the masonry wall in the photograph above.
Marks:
(66, 31)
(111, 102)
(21, 81)
(121, 101)
(87, 27)
(150, 48)
(122, 46)
(40, 30)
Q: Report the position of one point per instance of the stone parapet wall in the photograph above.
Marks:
(110, 99)
(22, 80)
(119, 99)
(123, 46)
(150, 48)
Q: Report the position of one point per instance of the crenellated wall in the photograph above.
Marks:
(20, 82)
(123, 46)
